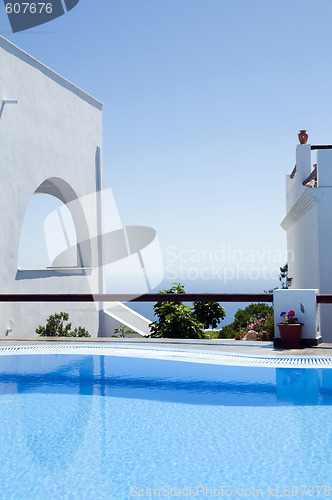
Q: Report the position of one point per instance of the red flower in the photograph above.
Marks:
(291, 313)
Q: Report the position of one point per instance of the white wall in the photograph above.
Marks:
(309, 230)
(302, 239)
(53, 131)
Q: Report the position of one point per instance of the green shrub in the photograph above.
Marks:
(257, 317)
(242, 316)
(175, 320)
(55, 327)
(227, 332)
(122, 331)
(267, 332)
(80, 332)
(209, 313)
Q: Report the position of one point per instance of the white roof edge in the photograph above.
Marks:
(30, 59)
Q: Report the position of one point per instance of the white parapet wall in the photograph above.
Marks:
(304, 304)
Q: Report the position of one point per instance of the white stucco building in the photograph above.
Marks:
(309, 230)
(51, 142)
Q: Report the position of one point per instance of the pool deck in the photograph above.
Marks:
(224, 345)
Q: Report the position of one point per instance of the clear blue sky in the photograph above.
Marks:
(203, 100)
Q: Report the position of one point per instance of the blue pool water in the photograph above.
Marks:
(120, 427)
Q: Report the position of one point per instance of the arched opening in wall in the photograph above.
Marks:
(47, 231)
(62, 239)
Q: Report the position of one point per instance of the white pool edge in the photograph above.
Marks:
(186, 355)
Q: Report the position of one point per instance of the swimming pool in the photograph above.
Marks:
(142, 423)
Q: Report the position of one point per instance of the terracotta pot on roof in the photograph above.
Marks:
(303, 137)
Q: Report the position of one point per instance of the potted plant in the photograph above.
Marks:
(290, 330)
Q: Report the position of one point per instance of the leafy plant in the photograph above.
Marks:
(122, 331)
(285, 281)
(264, 327)
(242, 316)
(268, 328)
(257, 317)
(174, 319)
(209, 313)
(55, 327)
(227, 332)
(81, 332)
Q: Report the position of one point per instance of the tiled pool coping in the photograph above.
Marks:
(193, 355)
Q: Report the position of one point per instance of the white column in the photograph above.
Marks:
(303, 161)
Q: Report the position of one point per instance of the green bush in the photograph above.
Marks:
(227, 332)
(55, 327)
(80, 332)
(175, 320)
(267, 332)
(209, 313)
(242, 316)
(259, 316)
(122, 331)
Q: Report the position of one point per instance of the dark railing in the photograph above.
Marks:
(312, 176)
(324, 298)
(293, 172)
(151, 297)
(147, 297)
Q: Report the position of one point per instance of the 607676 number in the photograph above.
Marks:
(29, 8)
